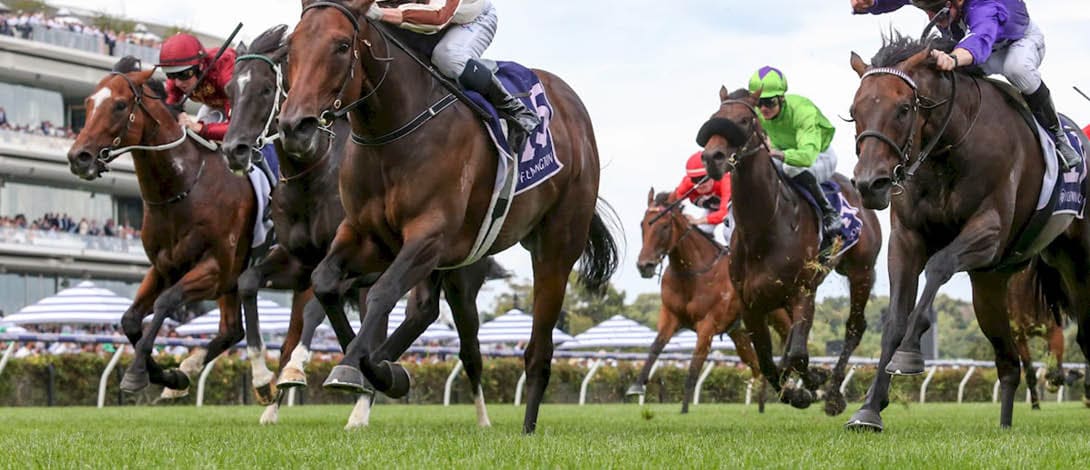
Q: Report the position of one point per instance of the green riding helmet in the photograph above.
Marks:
(770, 81)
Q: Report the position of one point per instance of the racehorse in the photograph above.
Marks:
(696, 290)
(775, 249)
(958, 207)
(414, 203)
(1035, 311)
(198, 216)
(306, 210)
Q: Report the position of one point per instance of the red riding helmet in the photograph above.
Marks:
(694, 168)
(180, 52)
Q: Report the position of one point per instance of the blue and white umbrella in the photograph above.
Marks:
(83, 304)
(513, 327)
(616, 332)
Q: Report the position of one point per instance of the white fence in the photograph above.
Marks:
(598, 359)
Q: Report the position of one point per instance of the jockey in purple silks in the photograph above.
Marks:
(999, 37)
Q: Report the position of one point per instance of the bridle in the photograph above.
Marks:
(265, 137)
(753, 135)
(907, 166)
(690, 228)
(110, 153)
(329, 115)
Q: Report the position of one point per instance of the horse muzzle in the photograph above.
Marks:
(300, 136)
(646, 268)
(83, 164)
(875, 191)
(717, 164)
(238, 154)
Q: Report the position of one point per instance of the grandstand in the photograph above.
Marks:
(56, 229)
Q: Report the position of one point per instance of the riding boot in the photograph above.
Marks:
(830, 220)
(1044, 110)
(522, 121)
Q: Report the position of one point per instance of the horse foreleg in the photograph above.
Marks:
(975, 247)
(418, 257)
(757, 325)
(1054, 378)
(906, 260)
(748, 355)
(861, 286)
(199, 283)
(327, 281)
(667, 327)
(461, 287)
(132, 322)
(422, 311)
(696, 364)
(274, 270)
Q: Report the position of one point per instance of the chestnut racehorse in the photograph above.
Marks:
(696, 292)
(417, 187)
(198, 217)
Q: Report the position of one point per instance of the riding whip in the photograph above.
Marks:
(1081, 93)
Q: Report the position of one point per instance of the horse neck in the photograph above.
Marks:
(403, 90)
(162, 174)
(756, 178)
(691, 250)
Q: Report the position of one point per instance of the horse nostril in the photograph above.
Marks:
(306, 128)
(719, 156)
(85, 157)
(240, 151)
(881, 184)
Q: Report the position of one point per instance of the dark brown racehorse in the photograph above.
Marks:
(415, 203)
(198, 218)
(774, 249)
(306, 210)
(696, 292)
(1035, 312)
(967, 174)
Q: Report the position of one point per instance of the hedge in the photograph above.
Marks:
(25, 383)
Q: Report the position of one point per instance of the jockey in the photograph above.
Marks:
(999, 37)
(713, 196)
(470, 26)
(183, 59)
(800, 136)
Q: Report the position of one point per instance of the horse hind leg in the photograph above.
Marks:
(990, 304)
(132, 324)
(1021, 342)
(1054, 378)
(461, 288)
(230, 333)
(861, 286)
(696, 365)
(668, 325)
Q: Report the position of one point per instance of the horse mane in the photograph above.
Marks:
(269, 41)
(897, 48)
(130, 64)
(739, 94)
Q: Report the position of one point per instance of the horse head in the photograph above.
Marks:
(324, 62)
(732, 134)
(126, 109)
(255, 90)
(658, 232)
(890, 112)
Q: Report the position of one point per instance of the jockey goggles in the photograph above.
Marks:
(184, 74)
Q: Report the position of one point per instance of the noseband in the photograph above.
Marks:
(265, 137)
(900, 172)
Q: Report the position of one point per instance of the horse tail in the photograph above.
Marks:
(600, 257)
(1048, 292)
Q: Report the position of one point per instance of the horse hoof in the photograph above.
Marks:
(175, 379)
(865, 420)
(346, 379)
(835, 404)
(905, 363)
(271, 415)
(636, 390)
(400, 381)
(801, 398)
(292, 377)
(1052, 388)
(1036, 406)
(134, 382)
(265, 394)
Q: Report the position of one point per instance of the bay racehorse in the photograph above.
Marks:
(306, 210)
(1034, 304)
(962, 172)
(775, 250)
(198, 217)
(417, 185)
(696, 292)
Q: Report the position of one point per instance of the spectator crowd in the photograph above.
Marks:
(57, 222)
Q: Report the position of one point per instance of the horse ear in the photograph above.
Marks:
(651, 196)
(916, 59)
(858, 65)
(724, 93)
(143, 76)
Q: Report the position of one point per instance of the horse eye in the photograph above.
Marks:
(342, 48)
(902, 110)
(120, 106)
(266, 91)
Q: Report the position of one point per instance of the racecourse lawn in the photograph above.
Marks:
(594, 436)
